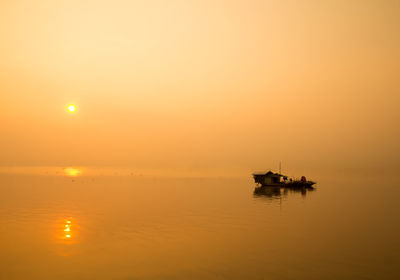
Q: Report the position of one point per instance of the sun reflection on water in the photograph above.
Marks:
(72, 171)
(67, 235)
(67, 228)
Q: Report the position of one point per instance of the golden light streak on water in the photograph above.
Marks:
(67, 225)
(72, 171)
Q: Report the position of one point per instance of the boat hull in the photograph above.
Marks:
(294, 184)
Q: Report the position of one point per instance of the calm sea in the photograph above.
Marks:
(140, 227)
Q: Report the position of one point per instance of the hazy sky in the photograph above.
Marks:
(200, 83)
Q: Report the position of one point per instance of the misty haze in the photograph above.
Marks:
(131, 131)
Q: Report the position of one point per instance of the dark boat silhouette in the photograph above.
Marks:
(271, 179)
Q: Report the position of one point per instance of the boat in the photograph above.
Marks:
(271, 179)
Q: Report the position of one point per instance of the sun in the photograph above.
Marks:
(71, 108)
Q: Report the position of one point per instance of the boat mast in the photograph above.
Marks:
(280, 167)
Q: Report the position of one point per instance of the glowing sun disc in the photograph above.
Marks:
(71, 108)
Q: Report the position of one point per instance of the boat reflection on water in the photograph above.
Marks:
(278, 193)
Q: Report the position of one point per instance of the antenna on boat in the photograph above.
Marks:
(280, 167)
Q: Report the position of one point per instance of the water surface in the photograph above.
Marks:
(138, 227)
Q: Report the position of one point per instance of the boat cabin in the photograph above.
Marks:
(269, 178)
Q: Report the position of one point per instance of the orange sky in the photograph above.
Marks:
(200, 83)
